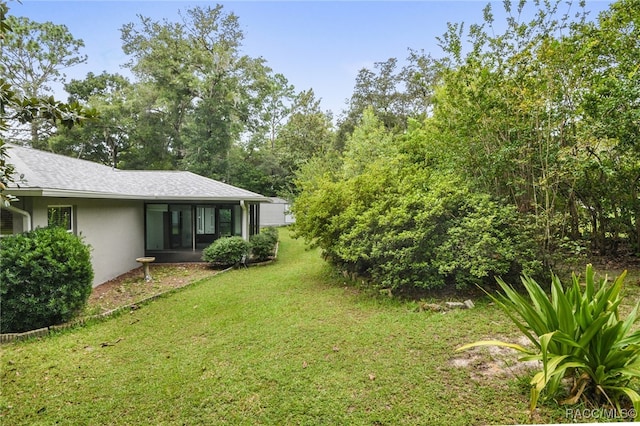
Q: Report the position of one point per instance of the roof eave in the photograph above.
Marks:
(65, 193)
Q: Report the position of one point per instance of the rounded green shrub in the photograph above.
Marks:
(271, 232)
(226, 251)
(263, 245)
(45, 279)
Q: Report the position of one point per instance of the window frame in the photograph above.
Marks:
(70, 228)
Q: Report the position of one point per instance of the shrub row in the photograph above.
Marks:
(230, 251)
(408, 228)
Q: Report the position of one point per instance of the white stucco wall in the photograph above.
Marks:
(113, 228)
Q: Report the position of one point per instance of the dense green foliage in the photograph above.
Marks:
(263, 245)
(45, 279)
(576, 333)
(396, 221)
(272, 233)
(523, 160)
(34, 55)
(22, 103)
(536, 115)
(226, 251)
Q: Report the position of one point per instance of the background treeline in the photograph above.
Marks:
(197, 102)
(514, 150)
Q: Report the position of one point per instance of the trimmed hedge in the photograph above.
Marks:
(226, 251)
(45, 279)
(263, 245)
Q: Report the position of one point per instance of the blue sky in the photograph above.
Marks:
(314, 44)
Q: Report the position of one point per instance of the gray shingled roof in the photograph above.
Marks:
(47, 174)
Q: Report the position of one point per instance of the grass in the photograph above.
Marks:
(288, 343)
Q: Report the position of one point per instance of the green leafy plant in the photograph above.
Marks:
(45, 279)
(576, 333)
(405, 227)
(263, 245)
(226, 251)
(272, 233)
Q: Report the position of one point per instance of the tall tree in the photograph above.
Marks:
(268, 166)
(380, 90)
(308, 133)
(102, 139)
(254, 163)
(205, 88)
(420, 77)
(16, 108)
(395, 94)
(273, 106)
(34, 56)
(508, 110)
(607, 165)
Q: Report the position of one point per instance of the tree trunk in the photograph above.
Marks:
(575, 220)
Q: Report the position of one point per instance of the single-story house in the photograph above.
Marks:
(126, 214)
(276, 213)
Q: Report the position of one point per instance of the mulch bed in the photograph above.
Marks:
(131, 287)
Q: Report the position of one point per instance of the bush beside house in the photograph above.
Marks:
(230, 251)
(45, 279)
(263, 245)
(226, 251)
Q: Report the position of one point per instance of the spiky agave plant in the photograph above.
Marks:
(576, 333)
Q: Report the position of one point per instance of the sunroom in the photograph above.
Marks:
(178, 232)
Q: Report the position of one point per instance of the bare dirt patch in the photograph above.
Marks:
(131, 287)
(486, 362)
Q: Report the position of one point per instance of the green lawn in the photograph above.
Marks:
(288, 343)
